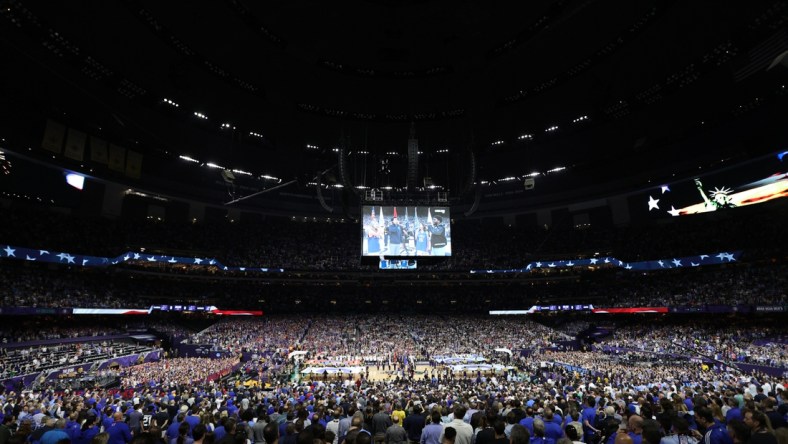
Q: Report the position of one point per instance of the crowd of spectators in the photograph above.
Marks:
(763, 345)
(370, 339)
(662, 380)
(28, 360)
(570, 325)
(386, 338)
(360, 337)
(294, 245)
(259, 335)
(542, 377)
(25, 334)
(45, 288)
(171, 373)
(484, 335)
(377, 338)
(602, 368)
(741, 285)
(560, 397)
(168, 328)
(729, 284)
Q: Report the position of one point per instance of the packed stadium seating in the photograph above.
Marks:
(203, 207)
(429, 330)
(322, 246)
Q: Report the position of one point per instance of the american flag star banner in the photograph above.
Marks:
(13, 252)
(609, 261)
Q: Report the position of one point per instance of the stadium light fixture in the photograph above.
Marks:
(75, 180)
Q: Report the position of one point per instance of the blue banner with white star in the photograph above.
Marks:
(659, 264)
(59, 257)
(28, 254)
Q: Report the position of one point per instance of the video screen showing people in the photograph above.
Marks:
(405, 231)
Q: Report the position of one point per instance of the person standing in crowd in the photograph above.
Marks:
(487, 434)
(760, 430)
(172, 430)
(199, 433)
(681, 433)
(333, 425)
(539, 433)
(714, 433)
(635, 429)
(500, 435)
(449, 436)
(573, 433)
(414, 424)
(90, 428)
(101, 438)
(552, 429)
(257, 430)
(589, 417)
(47, 424)
(135, 418)
(528, 420)
(271, 433)
(738, 431)
(463, 429)
(379, 423)
(5, 428)
(230, 428)
(344, 423)
(519, 435)
(192, 418)
(775, 418)
(396, 434)
(119, 432)
(183, 435)
(733, 411)
(399, 412)
(431, 433)
(57, 434)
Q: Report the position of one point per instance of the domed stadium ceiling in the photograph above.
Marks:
(607, 88)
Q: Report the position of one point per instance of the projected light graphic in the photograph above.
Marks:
(764, 190)
(756, 182)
